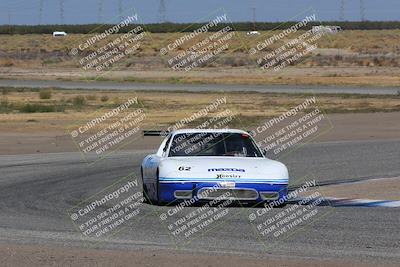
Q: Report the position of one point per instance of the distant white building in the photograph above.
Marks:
(55, 34)
(253, 33)
(326, 29)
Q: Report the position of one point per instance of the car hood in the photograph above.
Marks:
(226, 168)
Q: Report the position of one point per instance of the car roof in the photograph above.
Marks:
(181, 131)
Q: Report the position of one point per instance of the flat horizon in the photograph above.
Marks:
(46, 12)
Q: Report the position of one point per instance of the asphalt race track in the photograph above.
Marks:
(36, 190)
(102, 85)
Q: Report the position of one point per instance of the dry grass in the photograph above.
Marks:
(371, 41)
(46, 51)
(165, 108)
(373, 60)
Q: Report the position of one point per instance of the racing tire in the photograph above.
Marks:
(281, 205)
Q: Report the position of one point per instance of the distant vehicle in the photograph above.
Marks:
(326, 29)
(253, 33)
(212, 164)
(56, 34)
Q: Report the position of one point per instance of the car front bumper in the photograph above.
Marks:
(203, 191)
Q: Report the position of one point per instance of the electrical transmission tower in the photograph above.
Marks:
(40, 11)
(100, 11)
(341, 17)
(120, 10)
(362, 10)
(162, 12)
(254, 18)
(62, 11)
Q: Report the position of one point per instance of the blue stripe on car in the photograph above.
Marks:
(244, 180)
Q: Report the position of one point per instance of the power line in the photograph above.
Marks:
(9, 22)
(61, 11)
(254, 18)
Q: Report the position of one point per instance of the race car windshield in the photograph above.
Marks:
(213, 144)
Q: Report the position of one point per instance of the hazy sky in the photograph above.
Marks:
(87, 11)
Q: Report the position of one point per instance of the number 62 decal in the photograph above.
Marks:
(184, 168)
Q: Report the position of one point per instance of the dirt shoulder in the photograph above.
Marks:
(13, 255)
(377, 189)
(24, 138)
(321, 75)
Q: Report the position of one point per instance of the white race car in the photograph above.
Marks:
(203, 165)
